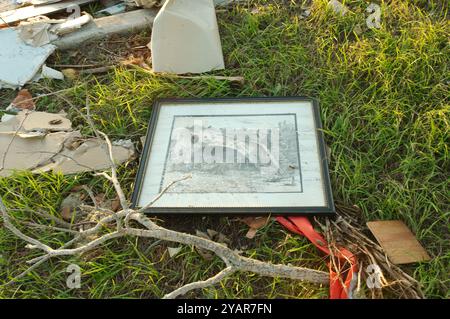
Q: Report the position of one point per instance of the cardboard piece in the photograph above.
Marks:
(185, 38)
(398, 242)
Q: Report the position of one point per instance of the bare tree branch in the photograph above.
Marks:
(201, 284)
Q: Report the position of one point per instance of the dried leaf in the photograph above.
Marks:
(70, 74)
(254, 223)
(115, 204)
(100, 199)
(23, 101)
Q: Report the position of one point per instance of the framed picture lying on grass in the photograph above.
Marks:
(238, 155)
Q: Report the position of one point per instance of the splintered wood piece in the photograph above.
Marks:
(399, 243)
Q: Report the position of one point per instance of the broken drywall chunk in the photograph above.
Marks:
(19, 62)
(185, 38)
(40, 141)
(17, 153)
(91, 155)
(338, 7)
(43, 122)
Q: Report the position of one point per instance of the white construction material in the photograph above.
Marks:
(49, 73)
(102, 27)
(19, 62)
(185, 38)
(24, 13)
(71, 25)
(41, 141)
(36, 34)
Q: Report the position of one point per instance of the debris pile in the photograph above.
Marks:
(185, 37)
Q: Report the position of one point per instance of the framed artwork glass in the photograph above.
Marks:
(234, 156)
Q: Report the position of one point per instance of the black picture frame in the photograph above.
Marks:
(328, 209)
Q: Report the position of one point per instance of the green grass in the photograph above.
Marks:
(384, 97)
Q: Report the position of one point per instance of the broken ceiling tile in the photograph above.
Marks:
(398, 242)
(185, 38)
(19, 62)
